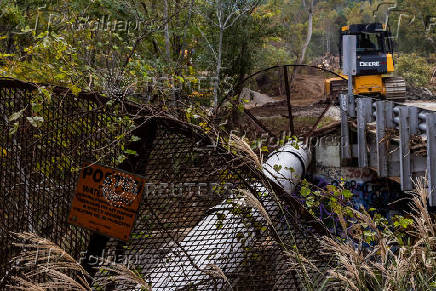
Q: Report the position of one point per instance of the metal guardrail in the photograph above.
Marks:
(410, 121)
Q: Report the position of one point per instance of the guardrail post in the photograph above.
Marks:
(345, 130)
(364, 115)
(351, 106)
(389, 107)
(384, 120)
(405, 171)
(431, 157)
(413, 120)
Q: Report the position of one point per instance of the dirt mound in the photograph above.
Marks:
(307, 89)
(307, 94)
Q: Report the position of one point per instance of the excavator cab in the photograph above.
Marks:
(373, 48)
(374, 64)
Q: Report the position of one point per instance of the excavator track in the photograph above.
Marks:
(395, 88)
(338, 87)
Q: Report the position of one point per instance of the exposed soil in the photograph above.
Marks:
(268, 103)
(307, 89)
(307, 100)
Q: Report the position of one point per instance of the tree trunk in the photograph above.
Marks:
(239, 85)
(300, 60)
(308, 35)
(188, 21)
(166, 31)
(218, 68)
(302, 55)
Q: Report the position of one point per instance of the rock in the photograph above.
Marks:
(255, 98)
(419, 93)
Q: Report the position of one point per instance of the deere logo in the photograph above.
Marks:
(369, 64)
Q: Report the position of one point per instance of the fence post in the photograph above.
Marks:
(288, 99)
(147, 132)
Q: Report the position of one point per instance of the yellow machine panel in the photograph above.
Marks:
(368, 84)
(390, 63)
(374, 70)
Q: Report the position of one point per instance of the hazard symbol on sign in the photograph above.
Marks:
(106, 201)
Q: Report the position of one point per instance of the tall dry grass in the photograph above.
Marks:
(389, 263)
(122, 276)
(242, 149)
(43, 265)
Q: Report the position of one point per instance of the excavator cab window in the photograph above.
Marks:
(370, 42)
(387, 42)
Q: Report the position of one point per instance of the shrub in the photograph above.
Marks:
(415, 69)
(376, 254)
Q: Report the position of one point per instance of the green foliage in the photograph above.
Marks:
(416, 32)
(361, 12)
(51, 59)
(387, 255)
(66, 50)
(415, 69)
(338, 201)
(269, 55)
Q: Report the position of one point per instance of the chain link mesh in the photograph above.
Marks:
(193, 230)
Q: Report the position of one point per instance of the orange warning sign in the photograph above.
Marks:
(106, 201)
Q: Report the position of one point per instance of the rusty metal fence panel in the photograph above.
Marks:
(192, 232)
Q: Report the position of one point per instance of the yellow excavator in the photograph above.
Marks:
(374, 75)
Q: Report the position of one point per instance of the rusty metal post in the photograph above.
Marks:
(98, 242)
(288, 99)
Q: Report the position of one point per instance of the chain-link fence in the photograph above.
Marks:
(192, 231)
